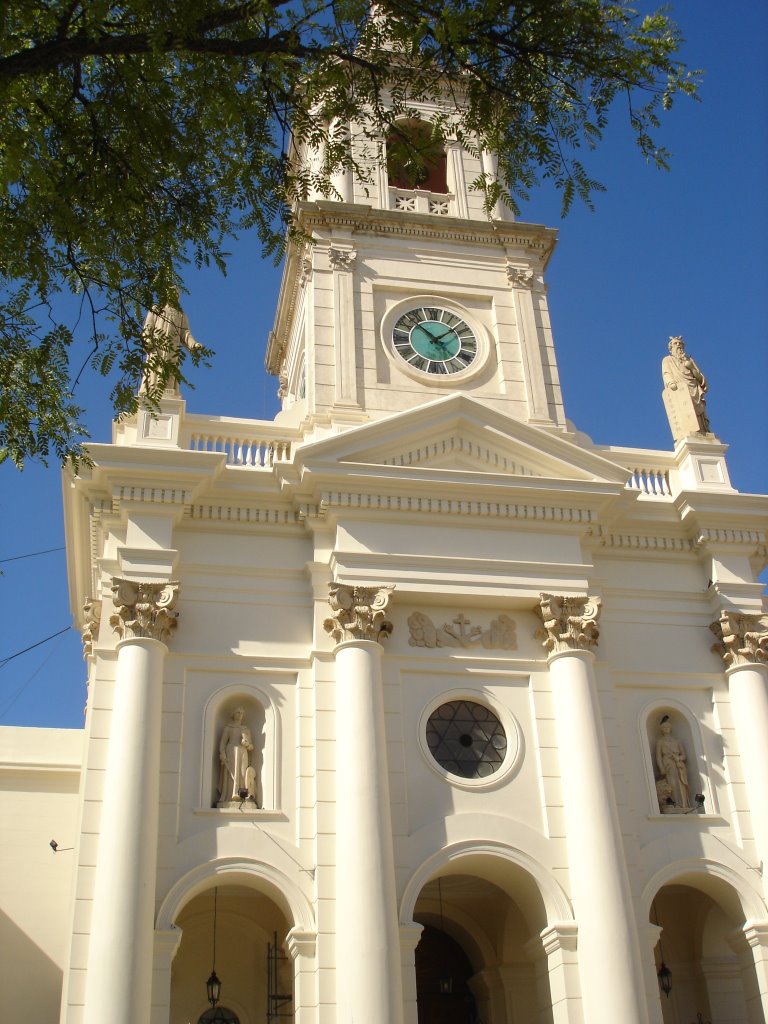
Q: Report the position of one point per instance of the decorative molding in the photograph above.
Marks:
(282, 385)
(244, 514)
(448, 506)
(639, 541)
(560, 935)
(305, 273)
(570, 623)
(342, 259)
(157, 495)
(144, 609)
(359, 613)
(741, 639)
(718, 536)
(500, 635)
(458, 445)
(300, 943)
(90, 630)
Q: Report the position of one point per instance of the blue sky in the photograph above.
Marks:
(683, 252)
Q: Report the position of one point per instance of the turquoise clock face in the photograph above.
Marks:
(434, 340)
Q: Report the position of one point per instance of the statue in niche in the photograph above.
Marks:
(238, 779)
(684, 389)
(672, 763)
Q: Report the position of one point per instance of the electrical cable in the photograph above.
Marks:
(30, 554)
(4, 661)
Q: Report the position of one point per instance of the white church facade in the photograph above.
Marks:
(413, 706)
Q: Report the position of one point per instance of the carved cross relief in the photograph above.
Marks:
(459, 632)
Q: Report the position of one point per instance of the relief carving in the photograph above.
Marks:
(144, 609)
(359, 613)
(500, 635)
(520, 277)
(570, 623)
(741, 639)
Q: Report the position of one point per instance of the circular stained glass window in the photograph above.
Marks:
(466, 739)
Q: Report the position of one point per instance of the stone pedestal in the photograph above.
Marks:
(608, 949)
(368, 979)
(121, 945)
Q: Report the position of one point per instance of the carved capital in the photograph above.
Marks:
(342, 259)
(741, 639)
(90, 630)
(358, 613)
(520, 277)
(144, 609)
(570, 623)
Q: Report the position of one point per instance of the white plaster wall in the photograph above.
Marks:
(39, 780)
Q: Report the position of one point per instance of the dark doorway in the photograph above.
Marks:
(442, 971)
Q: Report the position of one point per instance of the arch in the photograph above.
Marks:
(235, 871)
(726, 887)
(556, 904)
(463, 929)
(415, 158)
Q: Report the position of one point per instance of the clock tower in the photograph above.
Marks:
(408, 292)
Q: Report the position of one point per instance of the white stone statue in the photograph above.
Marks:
(166, 331)
(684, 389)
(238, 780)
(672, 763)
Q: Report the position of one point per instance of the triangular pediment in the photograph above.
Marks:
(461, 435)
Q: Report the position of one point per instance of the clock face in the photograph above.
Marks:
(434, 340)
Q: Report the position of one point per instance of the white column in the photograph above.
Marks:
(368, 980)
(121, 946)
(608, 949)
(743, 644)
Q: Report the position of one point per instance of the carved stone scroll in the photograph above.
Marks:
(500, 635)
(570, 623)
(144, 609)
(741, 639)
(90, 630)
(358, 613)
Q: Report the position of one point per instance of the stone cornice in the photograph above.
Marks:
(144, 610)
(632, 542)
(570, 623)
(741, 639)
(361, 219)
(358, 613)
(332, 500)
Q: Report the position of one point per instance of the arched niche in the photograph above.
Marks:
(260, 719)
(675, 764)
(415, 158)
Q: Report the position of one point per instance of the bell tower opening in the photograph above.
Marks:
(415, 158)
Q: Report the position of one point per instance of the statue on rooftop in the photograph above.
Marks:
(684, 389)
(165, 332)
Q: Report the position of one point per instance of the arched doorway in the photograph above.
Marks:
(443, 970)
(702, 946)
(482, 934)
(256, 974)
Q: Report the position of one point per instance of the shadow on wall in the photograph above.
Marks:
(29, 980)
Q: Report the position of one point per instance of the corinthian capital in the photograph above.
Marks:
(741, 639)
(358, 613)
(90, 630)
(570, 623)
(144, 609)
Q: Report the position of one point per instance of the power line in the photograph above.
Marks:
(4, 661)
(11, 700)
(31, 554)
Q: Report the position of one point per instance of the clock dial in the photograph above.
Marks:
(434, 340)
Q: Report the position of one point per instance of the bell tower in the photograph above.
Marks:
(409, 292)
